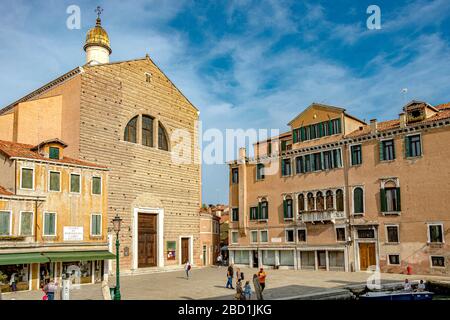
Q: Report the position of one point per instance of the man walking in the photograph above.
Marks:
(187, 268)
(262, 279)
(230, 272)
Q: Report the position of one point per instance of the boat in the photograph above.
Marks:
(398, 295)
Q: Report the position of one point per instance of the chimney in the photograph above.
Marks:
(373, 125)
(242, 155)
(402, 117)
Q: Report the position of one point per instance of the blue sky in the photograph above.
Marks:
(246, 64)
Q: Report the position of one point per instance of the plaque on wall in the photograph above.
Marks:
(73, 233)
(126, 251)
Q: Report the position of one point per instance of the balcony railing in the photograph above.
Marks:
(320, 216)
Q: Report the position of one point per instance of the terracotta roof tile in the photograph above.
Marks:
(443, 106)
(5, 192)
(444, 113)
(20, 150)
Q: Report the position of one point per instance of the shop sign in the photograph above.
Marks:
(73, 233)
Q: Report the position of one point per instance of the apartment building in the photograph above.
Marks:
(53, 216)
(209, 235)
(335, 193)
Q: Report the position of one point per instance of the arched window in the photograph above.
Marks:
(319, 201)
(162, 138)
(147, 131)
(131, 130)
(288, 208)
(329, 200)
(339, 200)
(264, 209)
(301, 202)
(358, 200)
(310, 202)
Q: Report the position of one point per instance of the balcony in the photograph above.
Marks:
(320, 216)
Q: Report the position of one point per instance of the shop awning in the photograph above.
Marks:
(69, 256)
(22, 258)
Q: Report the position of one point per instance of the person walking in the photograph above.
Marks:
(13, 282)
(187, 268)
(257, 286)
(50, 289)
(219, 260)
(247, 291)
(230, 277)
(262, 278)
(238, 275)
(239, 292)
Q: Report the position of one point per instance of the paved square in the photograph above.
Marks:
(209, 283)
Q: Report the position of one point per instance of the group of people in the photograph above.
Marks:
(245, 292)
(407, 286)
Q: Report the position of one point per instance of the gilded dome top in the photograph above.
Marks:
(97, 36)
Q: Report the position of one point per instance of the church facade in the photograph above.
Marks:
(122, 115)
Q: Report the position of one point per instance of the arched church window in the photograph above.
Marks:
(131, 130)
(162, 138)
(147, 131)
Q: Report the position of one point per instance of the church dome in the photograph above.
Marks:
(97, 36)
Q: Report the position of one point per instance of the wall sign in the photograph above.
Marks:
(276, 239)
(73, 233)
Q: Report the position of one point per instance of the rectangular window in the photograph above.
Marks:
(413, 146)
(301, 235)
(26, 223)
(392, 234)
(299, 164)
(55, 181)
(290, 236)
(337, 160)
(340, 234)
(286, 167)
(234, 236)
(269, 148)
(394, 259)
(235, 214)
(96, 185)
(387, 150)
(96, 225)
(26, 181)
(327, 160)
(263, 236)
(254, 236)
(366, 233)
(5, 223)
(259, 171)
(53, 153)
(75, 183)
(336, 123)
(317, 161)
(254, 213)
(288, 211)
(307, 163)
(435, 233)
(49, 224)
(235, 175)
(437, 261)
(283, 145)
(356, 155)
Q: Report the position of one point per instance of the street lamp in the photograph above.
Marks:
(117, 221)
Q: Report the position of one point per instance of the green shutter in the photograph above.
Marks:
(330, 127)
(283, 145)
(258, 212)
(54, 153)
(338, 126)
(321, 130)
(302, 134)
(381, 151)
(285, 208)
(383, 200)
(294, 135)
(399, 207)
(353, 155)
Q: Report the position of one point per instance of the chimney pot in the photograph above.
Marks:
(373, 125)
(402, 118)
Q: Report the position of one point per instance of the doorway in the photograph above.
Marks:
(322, 260)
(205, 258)
(147, 240)
(185, 250)
(255, 259)
(367, 255)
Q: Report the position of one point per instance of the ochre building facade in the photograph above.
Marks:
(335, 193)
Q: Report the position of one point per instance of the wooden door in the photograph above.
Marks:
(147, 235)
(184, 250)
(367, 255)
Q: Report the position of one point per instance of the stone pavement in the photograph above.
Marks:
(209, 283)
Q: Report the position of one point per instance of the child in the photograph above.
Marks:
(247, 291)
